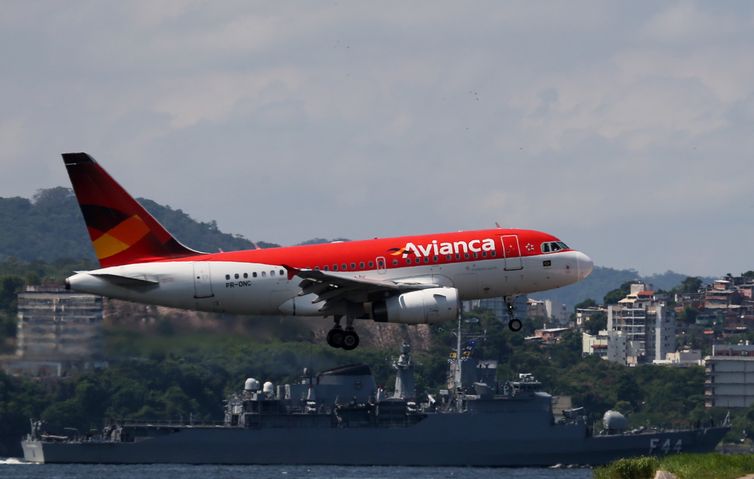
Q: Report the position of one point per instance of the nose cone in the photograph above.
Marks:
(584, 265)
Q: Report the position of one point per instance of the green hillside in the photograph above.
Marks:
(50, 227)
(603, 280)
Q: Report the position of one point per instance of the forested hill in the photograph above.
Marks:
(603, 280)
(50, 227)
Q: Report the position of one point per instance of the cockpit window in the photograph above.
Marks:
(553, 246)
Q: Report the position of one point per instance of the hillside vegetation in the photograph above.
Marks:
(50, 228)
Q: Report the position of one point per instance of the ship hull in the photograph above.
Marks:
(444, 441)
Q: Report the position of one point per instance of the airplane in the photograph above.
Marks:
(411, 279)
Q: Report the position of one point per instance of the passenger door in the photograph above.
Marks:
(202, 283)
(511, 253)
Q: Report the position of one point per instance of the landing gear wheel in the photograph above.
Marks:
(335, 337)
(350, 340)
(515, 325)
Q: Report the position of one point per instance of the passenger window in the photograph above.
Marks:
(227, 276)
(235, 275)
(458, 256)
(449, 257)
(254, 275)
(436, 258)
(426, 259)
(476, 255)
(467, 255)
(282, 272)
(344, 267)
(245, 275)
(353, 266)
(264, 274)
(361, 265)
(316, 268)
(493, 253)
(335, 267)
(408, 260)
(395, 262)
(484, 254)
(272, 273)
(326, 268)
(371, 264)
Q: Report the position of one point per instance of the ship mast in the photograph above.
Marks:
(462, 353)
(457, 372)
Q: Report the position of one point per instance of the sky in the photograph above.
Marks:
(624, 128)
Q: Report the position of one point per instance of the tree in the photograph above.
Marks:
(691, 284)
(10, 286)
(587, 303)
(596, 323)
(689, 315)
(617, 294)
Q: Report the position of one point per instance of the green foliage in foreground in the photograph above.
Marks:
(685, 466)
(636, 468)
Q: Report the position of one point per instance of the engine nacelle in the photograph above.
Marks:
(425, 306)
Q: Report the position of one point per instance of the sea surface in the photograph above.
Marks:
(14, 469)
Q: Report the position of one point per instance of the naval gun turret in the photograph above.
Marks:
(614, 422)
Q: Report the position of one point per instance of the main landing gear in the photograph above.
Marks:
(514, 324)
(346, 339)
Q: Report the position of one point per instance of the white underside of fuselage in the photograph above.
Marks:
(264, 289)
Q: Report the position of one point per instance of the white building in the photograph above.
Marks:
(594, 344)
(641, 328)
(58, 330)
(683, 358)
(729, 376)
(554, 314)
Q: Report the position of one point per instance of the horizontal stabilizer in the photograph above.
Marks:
(125, 281)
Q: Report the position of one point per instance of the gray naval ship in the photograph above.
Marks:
(340, 417)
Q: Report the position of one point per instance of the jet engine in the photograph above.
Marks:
(425, 306)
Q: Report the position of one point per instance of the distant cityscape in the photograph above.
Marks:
(707, 327)
(60, 331)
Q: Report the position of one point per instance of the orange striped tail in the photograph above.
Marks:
(121, 230)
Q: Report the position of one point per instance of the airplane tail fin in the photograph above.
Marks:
(121, 230)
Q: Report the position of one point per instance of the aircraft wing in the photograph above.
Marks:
(335, 289)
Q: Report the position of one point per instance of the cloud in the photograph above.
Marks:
(685, 24)
(603, 123)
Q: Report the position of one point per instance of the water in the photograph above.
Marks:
(13, 469)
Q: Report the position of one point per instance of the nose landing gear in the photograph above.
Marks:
(514, 324)
(346, 339)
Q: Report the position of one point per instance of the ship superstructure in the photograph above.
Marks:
(340, 416)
